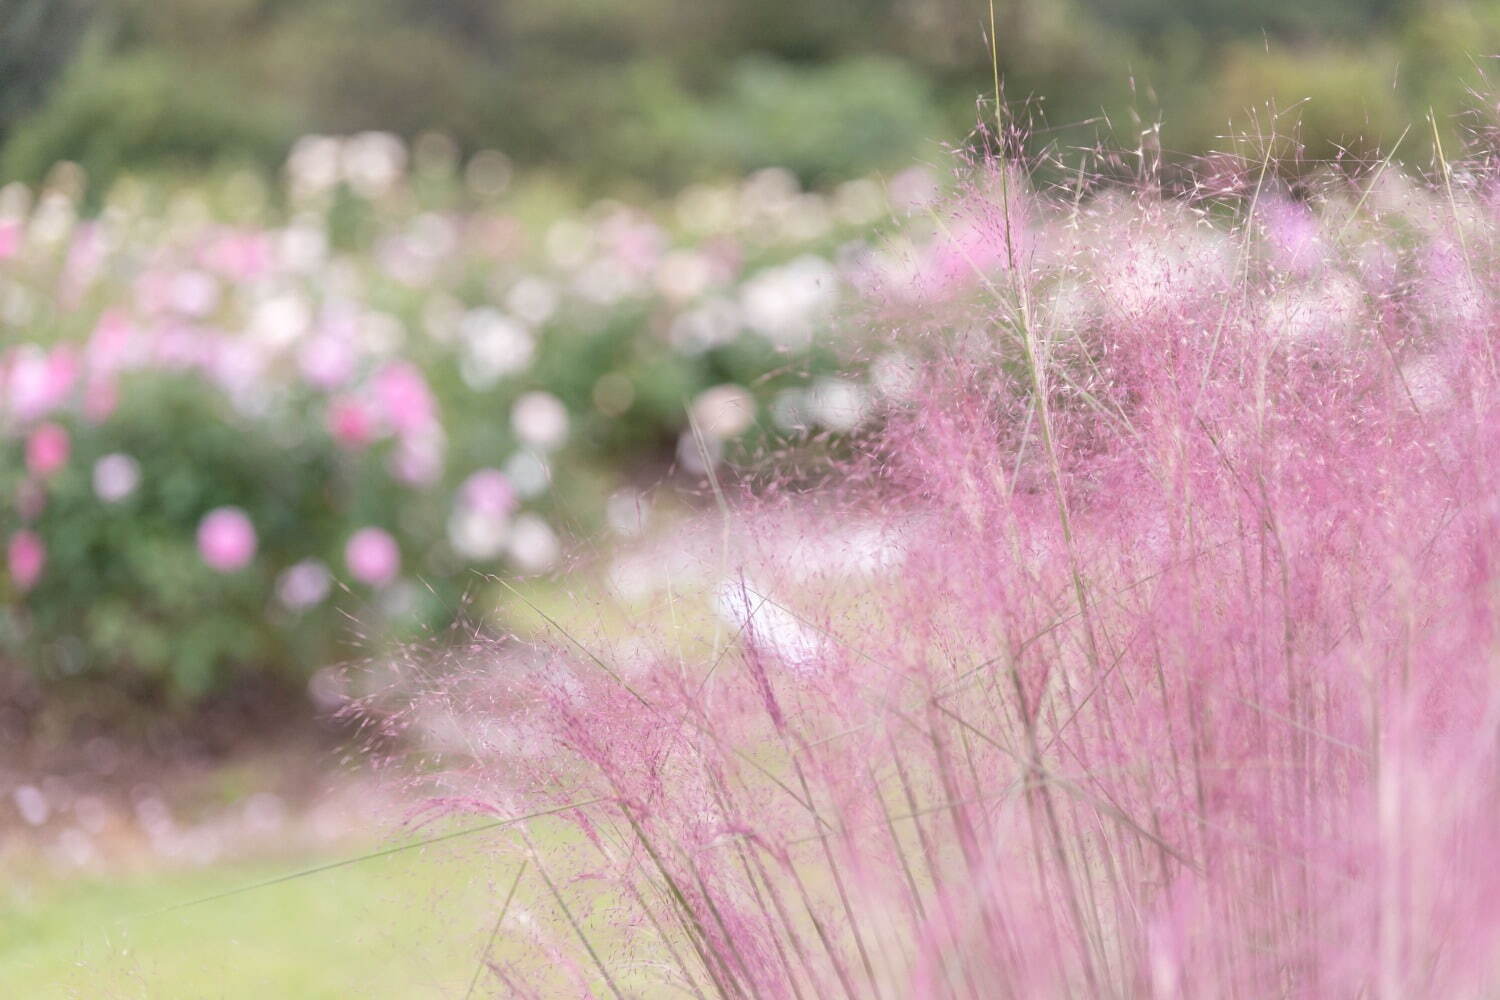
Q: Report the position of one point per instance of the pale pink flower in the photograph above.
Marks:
(488, 491)
(115, 477)
(373, 557)
(10, 239)
(239, 256)
(39, 382)
(301, 586)
(226, 539)
(100, 398)
(636, 243)
(82, 265)
(540, 420)
(115, 343)
(326, 360)
(418, 458)
(405, 400)
(25, 556)
(479, 526)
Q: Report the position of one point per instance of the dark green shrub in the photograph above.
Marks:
(147, 112)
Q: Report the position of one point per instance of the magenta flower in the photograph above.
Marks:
(226, 539)
(373, 557)
(47, 450)
(25, 556)
(351, 423)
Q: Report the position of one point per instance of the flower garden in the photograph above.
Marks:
(971, 585)
(239, 418)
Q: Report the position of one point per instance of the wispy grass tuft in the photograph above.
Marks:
(1176, 675)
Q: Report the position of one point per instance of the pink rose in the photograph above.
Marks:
(226, 539)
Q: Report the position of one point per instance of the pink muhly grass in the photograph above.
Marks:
(1182, 683)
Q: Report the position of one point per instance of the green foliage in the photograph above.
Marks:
(303, 939)
(826, 123)
(1234, 18)
(144, 112)
(662, 92)
(127, 592)
(37, 37)
(1332, 105)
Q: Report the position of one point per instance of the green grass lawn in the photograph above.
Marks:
(409, 925)
(403, 926)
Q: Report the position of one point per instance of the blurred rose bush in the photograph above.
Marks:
(233, 418)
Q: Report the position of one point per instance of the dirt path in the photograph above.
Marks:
(90, 784)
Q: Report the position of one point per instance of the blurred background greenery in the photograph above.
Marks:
(658, 93)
